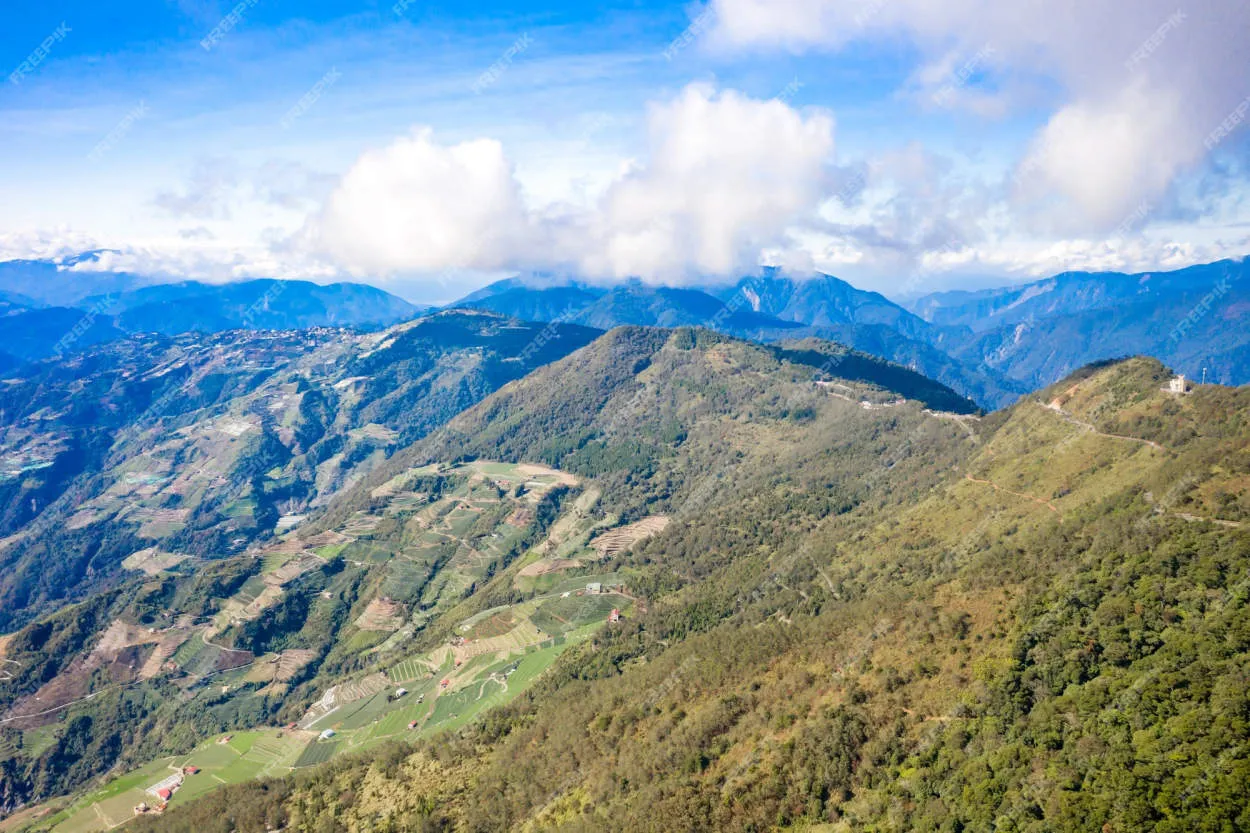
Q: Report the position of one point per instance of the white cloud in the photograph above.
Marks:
(207, 261)
(47, 243)
(416, 206)
(1140, 84)
(723, 178)
(1112, 160)
(208, 193)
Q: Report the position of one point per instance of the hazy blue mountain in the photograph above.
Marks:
(1042, 350)
(533, 304)
(1068, 293)
(15, 302)
(1192, 319)
(256, 304)
(30, 334)
(826, 301)
(191, 306)
(48, 283)
(632, 303)
(992, 345)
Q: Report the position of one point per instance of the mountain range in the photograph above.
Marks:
(767, 308)
(993, 345)
(1194, 319)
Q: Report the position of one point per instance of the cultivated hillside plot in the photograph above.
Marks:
(429, 535)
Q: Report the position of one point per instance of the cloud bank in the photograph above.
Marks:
(1139, 87)
(723, 178)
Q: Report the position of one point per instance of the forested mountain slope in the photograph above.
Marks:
(884, 619)
(438, 544)
(197, 445)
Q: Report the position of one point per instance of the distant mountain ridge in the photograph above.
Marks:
(770, 307)
(1066, 292)
(991, 345)
(826, 301)
(110, 308)
(58, 283)
(1192, 319)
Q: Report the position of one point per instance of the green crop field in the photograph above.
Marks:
(242, 742)
(317, 752)
(408, 670)
(241, 769)
(363, 712)
(329, 551)
(274, 560)
(564, 614)
(495, 625)
(214, 756)
(247, 756)
(194, 786)
(402, 576)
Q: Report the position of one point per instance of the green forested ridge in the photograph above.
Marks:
(622, 412)
(1038, 623)
(862, 613)
(708, 382)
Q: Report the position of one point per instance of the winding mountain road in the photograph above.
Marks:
(1055, 408)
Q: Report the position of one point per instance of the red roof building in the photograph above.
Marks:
(164, 793)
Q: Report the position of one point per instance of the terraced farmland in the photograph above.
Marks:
(420, 555)
(245, 756)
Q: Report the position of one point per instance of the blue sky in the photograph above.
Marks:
(428, 147)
